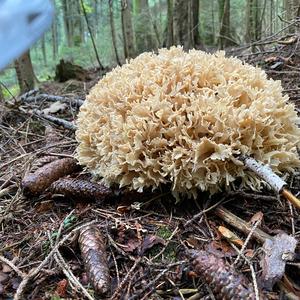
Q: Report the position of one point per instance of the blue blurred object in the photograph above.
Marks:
(22, 22)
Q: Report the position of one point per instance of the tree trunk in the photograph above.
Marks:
(143, 32)
(54, 39)
(271, 16)
(291, 11)
(25, 73)
(79, 24)
(67, 22)
(127, 29)
(225, 38)
(113, 32)
(254, 21)
(181, 23)
(43, 46)
(195, 26)
(169, 31)
(96, 18)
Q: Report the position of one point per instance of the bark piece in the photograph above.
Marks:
(94, 256)
(37, 182)
(222, 278)
(80, 189)
(273, 262)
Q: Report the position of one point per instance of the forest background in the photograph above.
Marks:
(104, 33)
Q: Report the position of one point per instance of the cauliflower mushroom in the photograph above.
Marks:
(183, 118)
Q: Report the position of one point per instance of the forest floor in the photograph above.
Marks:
(146, 234)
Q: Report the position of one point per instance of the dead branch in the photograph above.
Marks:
(30, 97)
(55, 120)
(240, 224)
(266, 173)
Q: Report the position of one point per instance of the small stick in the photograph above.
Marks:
(240, 224)
(230, 236)
(55, 120)
(12, 266)
(266, 173)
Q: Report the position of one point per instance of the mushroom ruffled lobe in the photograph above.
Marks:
(182, 118)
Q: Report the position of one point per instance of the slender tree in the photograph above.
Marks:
(127, 29)
(25, 73)
(113, 32)
(169, 29)
(91, 35)
(225, 38)
(68, 23)
(195, 23)
(54, 39)
(43, 48)
(254, 21)
(1, 94)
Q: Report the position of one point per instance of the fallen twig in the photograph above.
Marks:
(266, 173)
(55, 120)
(12, 266)
(32, 97)
(240, 224)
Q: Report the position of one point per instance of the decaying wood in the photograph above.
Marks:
(222, 278)
(93, 252)
(80, 189)
(66, 70)
(37, 182)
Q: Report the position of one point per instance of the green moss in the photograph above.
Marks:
(169, 254)
(164, 232)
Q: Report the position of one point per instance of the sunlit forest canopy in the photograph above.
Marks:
(122, 29)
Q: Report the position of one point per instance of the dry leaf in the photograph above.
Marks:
(54, 108)
(131, 245)
(61, 288)
(272, 263)
(256, 218)
(151, 240)
(122, 209)
(44, 206)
